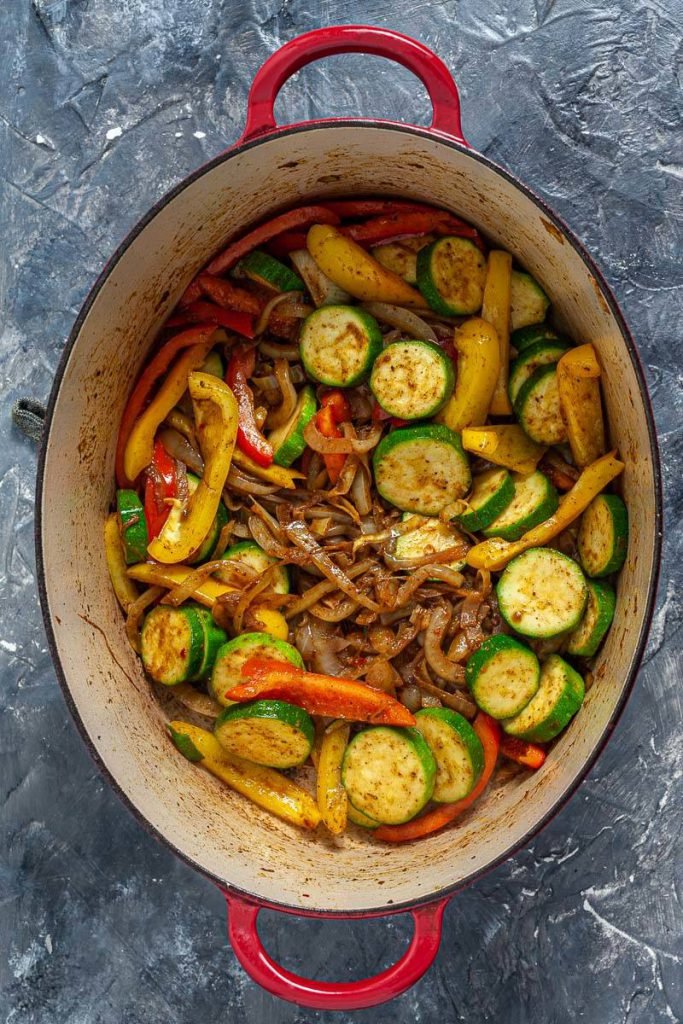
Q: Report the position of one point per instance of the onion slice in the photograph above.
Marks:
(402, 319)
(340, 445)
(434, 656)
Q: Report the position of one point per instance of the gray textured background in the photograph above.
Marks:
(105, 104)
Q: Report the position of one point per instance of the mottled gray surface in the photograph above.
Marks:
(105, 104)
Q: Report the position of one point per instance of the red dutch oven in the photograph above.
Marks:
(257, 860)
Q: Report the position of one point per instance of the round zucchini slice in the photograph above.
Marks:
(173, 644)
(357, 817)
(214, 638)
(503, 676)
(412, 380)
(559, 697)
(542, 593)
(288, 440)
(491, 494)
(542, 353)
(538, 407)
(429, 536)
(528, 302)
(247, 552)
(603, 535)
(421, 469)
(522, 338)
(265, 269)
(227, 669)
(268, 732)
(132, 526)
(401, 257)
(457, 750)
(389, 773)
(534, 500)
(339, 344)
(597, 619)
(451, 274)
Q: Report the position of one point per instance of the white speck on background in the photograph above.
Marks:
(8, 646)
(199, 135)
(114, 133)
(178, 135)
(48, 943)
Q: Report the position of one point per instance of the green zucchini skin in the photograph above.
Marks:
(534, 500)
(523, 337)
(542, 353)
(529, 304)
(421, 469)
(602, 541)
(132, 526)
(214, 638)
(412, 379)
(389, 773)
(559, 697)
(173, 644)
(492, 492)
(542, 593)
(227, 668)
(457, 750)
(451, 274)
(184, 744)
(265, 269)
(537, 407)
(288, 440)
(596, 621)
(250, 554)
(502, 676)
(358, 818)
(339, 344)
(268, 732)
(214, 364)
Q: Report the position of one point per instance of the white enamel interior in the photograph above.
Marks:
(222, 833)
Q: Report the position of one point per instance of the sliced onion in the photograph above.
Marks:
(135, 613)
(178, 447)
(403, 319)
(434, 656)
(361, 494)
(321, 590)
(453, 554)
(383, 676)
(278, 416)
(302, 537)
(244, 484)
(264, 318)
(273, 350)
(342, 610)
(196, 701)
(340, 445)
(318, 646)
(455, 701)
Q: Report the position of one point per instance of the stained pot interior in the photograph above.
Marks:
(220, 832)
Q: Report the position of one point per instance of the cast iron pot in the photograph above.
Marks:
(255, 859)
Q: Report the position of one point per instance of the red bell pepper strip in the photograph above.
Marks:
(161, 482)
(380, 416)
(229, 295)
(335, 409)
(412, 222)
(250, 440)
(523, 752)
(318, 694)
(372, 207)
(141, 392)
(191, 294)
(339, 404)
(488, 731)
(287, 242)
(299, 218)
(209, 312)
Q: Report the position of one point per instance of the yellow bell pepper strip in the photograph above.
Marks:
(267, 787)
(270, 621)
(284, 478)
(494, 554)
(578, 382)
(330, 792)
(139, 449)
(495, 308)
(476, 343)
(216, 419)
(124, 588)
(350, 267)
(505, 445)
(207, 592)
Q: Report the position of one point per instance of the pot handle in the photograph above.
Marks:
(326, 995)
(325, 42)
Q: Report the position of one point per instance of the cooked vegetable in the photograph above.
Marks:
(457, 751)
(492, 491)
(542, 593)
(538, 407)
(132, 526)
(389, 774)
(358, 818)
(597, 619)
(268, 732)
(339, 345)
(125, 590)
(534, 499)
(505, 444)
(404, 320)
(207, 592)
(288, 441)
(529, 754)
(179, 644)
(266, 270)
(429, 537)
(412, 379)
(523, 337)
(334, 410)
(299, 218)
(421, 469)
(603, 535)
(213, 364)
(330, 792)
(161, 486)
(528, 302)
(477, 346)
(233, 655)
(578, 382)
(495, 309)
(248, 553)
(265, 786)
(557, 700)
(401, 257)
(503, 675)
(542, 353)
(450, 274)
(250, 440)
(400, 223)
(323, 291)
(205, 551)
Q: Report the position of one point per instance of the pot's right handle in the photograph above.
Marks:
(326, 995)
(325, 42)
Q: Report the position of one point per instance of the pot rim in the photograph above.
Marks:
(588, 261)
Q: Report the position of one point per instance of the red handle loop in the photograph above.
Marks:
(326, 995)
(325, 42)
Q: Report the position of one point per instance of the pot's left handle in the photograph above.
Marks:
(327, 995)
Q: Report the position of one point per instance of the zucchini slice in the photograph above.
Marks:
(503, 676)
(247, 552)
(288, 440)
(421, 469)
(401, 257)
(269, 732)
(339, 344)
(358, 818)
(214, 638)
(428, 537)
(537, 407)
(603, 535)
(451, 274)
(389, 774)
(132, 526)
(542, 593)
(528, 302)
(523, 337)
(204, 552)
(227, 669)
(457, 750)
(559, 697)
(265, 269)
(597, 619)
(213, 364)
(412, 379)
(534, 500)
(179, 644)
(491, 494)
(541, 353)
